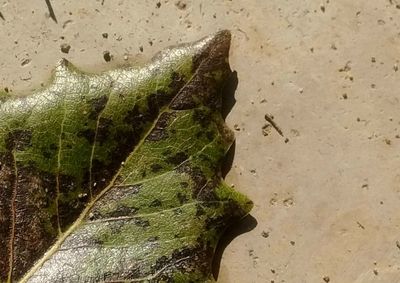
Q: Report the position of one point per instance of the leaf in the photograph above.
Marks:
(116, 177)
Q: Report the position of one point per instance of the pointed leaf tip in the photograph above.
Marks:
(212, 71)
(62, 67)
(222, 37)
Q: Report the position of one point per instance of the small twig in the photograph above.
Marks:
(270, 119)
(51, 11)
(360, 225)
(2, 17)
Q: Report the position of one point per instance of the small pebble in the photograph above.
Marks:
(381, 22)
(65, 48)
(107, 56)
(181, 5)
(25, 62)
(266, 129)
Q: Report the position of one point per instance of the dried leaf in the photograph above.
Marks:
(116, 177)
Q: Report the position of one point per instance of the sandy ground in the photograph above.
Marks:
(326, 200)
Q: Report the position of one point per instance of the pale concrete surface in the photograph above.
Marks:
(328, 200)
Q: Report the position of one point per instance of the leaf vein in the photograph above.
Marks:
(120, 218)
(94, 142)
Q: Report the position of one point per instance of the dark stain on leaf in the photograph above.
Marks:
(137, 118)
(123, 211)
(182, 198)
(7, 179)
(97, 105)
(88, 134)
(35, 196)
(197, 176)
(103, 130)
(200, 210)
(69, 207)
(206, 193)
(159, 133)
(155, 203)
(112, 197)
(142, 222)
(18, 139)
(49, 151)
(156, 167)
(135, 272)
(184, 184)
(177, 81)
(177, 158)
(202, 117)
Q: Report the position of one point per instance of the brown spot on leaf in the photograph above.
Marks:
(156, 167)
(159, 131)
(177, 158)
(97, 105)
(18, 139)
(155, 203)
(182, 198)
(197, 176)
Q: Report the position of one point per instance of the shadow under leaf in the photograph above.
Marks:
(248, 223)
(228, 94)
(243, 226)
(228, 101)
